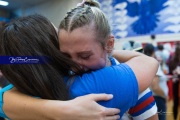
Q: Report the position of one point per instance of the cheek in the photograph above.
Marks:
(101, 64)
(97, 63)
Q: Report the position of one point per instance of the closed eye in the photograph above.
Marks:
(85, 57)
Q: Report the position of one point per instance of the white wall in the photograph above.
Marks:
(147, 39)
(54, 10)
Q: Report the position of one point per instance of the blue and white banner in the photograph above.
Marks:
(142, 17)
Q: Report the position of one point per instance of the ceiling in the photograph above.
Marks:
(15, 4)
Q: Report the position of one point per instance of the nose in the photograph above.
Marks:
(80, 63)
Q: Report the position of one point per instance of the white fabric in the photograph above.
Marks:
(147, 114)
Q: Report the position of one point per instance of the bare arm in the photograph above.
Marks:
(20, 106)
(144, 67)
(154, 117)
(156, 88)
(124, 56)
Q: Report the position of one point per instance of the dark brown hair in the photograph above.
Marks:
(35, 35)
(174, 60)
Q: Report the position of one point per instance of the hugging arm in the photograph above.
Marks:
(151, 112)
(46, 109)
(144, 67)
(20, 106)
(156, 88)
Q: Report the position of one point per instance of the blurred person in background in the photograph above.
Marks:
(174, 70)
(161, 53)
(132, 45)
(159, 85)
(167, 50)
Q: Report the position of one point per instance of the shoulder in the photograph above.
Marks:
(2, 91)
(118, 76)
(116, 73)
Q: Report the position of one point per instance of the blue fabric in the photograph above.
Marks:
(145, 97)
(143, 110)
(118, 80)
(112, 60)
(161, 104)
(2, 114)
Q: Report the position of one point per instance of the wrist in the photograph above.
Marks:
(58, 110)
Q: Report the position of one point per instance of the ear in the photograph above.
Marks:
(110, 44)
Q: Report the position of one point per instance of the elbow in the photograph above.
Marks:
(150, 73)
(155, 64)
(154, 88)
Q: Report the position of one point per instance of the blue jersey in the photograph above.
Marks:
(118, 80)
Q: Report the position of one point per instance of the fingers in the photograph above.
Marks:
(111, 111)
(111, 114)
(115, 117)
(99, 97)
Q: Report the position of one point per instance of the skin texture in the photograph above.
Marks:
(96, 56)
(76, 109)
(154, 117)
(156, 88)
(85, 49)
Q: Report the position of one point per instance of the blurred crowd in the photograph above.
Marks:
(166, 85)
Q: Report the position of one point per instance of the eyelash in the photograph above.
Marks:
(85, 58)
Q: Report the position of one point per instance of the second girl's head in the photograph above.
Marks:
(34, 35)
(85, 36)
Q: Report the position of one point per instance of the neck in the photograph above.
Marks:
(108, 62)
